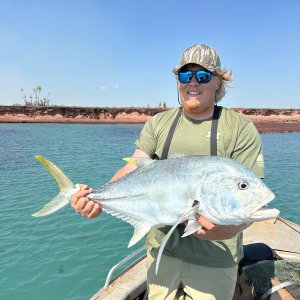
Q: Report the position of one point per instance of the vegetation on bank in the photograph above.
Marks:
(37, 100)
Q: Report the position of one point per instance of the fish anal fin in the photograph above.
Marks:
(140, 230)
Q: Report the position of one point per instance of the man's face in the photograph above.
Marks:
(198, 97)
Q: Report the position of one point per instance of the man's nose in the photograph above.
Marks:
(194, 80)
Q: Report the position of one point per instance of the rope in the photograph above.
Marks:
(286, 223)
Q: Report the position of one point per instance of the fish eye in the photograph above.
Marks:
(243, 185)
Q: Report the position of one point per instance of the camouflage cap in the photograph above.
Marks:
(202, 55)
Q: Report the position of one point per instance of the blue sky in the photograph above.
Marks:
(121, 52)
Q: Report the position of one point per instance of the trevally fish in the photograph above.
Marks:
(172, 191)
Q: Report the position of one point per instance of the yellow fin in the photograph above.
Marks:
(65, 186)
(64, 183)
(139, 161)
(130, 160)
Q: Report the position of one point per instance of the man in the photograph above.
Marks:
(203, 265)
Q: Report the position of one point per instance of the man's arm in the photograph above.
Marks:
(90, 209)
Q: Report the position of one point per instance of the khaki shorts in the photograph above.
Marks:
(177, 279)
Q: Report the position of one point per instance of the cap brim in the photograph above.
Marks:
(207, 67)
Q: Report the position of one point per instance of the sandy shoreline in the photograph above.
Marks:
(266, 120)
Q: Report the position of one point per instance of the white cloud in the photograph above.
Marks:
(105, 87)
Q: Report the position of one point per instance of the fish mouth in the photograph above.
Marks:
(263, 203)
(265, 213)
(261, 211)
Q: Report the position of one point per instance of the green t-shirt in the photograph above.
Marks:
(237, 138)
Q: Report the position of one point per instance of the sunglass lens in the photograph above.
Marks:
(185, 77)
(203, 76)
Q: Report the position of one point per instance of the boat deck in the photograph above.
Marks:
(128, 286)
(279, 236)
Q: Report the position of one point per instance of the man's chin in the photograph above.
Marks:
(193, 104)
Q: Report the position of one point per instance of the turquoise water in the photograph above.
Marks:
(65, 256)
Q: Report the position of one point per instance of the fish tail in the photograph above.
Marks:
(66, 187)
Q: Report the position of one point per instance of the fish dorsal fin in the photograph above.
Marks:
(138, 161)
(183, 218)
(176, 155)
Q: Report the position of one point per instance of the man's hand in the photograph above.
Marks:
(211, 231)
(84, 206)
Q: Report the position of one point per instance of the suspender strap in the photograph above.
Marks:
(213, 133)
(170, 135)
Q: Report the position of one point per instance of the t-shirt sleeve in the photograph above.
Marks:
(248, 149)
(147, 141)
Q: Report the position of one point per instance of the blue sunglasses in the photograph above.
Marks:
(201, 76)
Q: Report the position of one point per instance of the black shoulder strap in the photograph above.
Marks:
(170, 135)
(213, 133)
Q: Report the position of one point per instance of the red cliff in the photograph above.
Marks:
(265, 119)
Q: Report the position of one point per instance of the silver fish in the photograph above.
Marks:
(172, 191)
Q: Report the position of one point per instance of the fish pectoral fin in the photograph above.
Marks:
(192, 226)
(138, 161)
(183, 218)
(140, 230)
